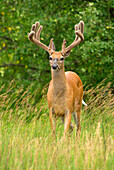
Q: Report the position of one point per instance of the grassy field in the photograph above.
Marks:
(25, 134)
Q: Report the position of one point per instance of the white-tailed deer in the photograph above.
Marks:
(65, 92)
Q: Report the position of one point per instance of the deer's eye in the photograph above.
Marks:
(50, 58)
(62, 58)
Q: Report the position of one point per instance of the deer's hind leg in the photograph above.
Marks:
(77, 115)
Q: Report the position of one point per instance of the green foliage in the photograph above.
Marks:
(92, 60)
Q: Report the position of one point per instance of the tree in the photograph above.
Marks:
(25, 62)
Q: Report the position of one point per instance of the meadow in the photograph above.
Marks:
(26, 141)
(25, 133)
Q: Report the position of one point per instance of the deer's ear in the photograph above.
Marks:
(53, 46)
(67, 54)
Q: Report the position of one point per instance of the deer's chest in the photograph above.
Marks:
(59, 102)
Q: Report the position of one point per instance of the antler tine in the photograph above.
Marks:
(39, 31)
(79, 29)
(63, 46)
(51, 45)
(82, 26)
(33, 27)
(34, 36)
(76, 29)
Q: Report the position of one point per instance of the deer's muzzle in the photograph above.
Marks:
(54, 66)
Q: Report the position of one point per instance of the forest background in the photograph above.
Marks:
(25, 133)
(27, 64)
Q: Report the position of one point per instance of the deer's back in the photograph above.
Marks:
(73, 79)
(75, 86)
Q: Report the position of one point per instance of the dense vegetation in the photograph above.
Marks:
(25, 62)
(25, 134)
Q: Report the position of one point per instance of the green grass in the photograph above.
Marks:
(26, 140)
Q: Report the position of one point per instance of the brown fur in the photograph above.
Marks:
(65, 91)
(65, 94)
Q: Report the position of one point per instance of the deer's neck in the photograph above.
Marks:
(59, 81)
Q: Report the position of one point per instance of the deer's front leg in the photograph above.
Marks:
(71, 125)
(67, 122)
(52, 121)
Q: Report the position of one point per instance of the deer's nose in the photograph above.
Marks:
(54, 66)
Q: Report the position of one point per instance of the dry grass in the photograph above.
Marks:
(25, 133)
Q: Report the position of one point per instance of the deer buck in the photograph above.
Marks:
(65, 92)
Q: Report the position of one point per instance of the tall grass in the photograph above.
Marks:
(25, 134)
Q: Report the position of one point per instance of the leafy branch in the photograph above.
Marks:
(17, 65)
(7, 38)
